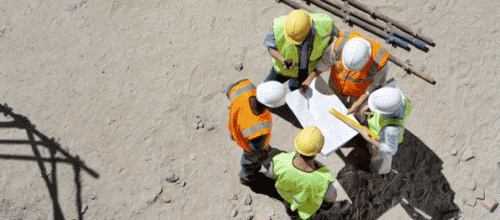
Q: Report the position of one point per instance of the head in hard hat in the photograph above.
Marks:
(271, 94)
(386, 100)
(309, 141)
(356, 54)
(297, 26)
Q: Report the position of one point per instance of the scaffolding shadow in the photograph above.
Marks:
(23, 123)
(416, 182)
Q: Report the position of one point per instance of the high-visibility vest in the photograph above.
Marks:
(242, 123)
(323, 24)
(355, 83)
(376, 121)
(305, 191)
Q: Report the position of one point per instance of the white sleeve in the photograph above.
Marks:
(390, 139)
(327, 59)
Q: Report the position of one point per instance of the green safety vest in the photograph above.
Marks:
(324, 26)
(305, 191)
(376, 122)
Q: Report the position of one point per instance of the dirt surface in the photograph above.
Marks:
(116, 89)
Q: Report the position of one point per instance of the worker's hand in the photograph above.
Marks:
(366, 110)
(353, 109)
(289, 64)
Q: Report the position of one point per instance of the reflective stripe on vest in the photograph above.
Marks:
(263, 125)
(355, 83)
(241, 91)
(242, 123)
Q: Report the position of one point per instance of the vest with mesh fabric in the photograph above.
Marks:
(305, 191)
(242, 123)
(355, 83)
(376, 121)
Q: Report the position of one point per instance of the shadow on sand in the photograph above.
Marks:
(418, 184)
(49, 176)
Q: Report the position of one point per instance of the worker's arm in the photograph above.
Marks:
(327, 59)
(308, 80)
(272, 48)
(378, 81)
(368, 138)
(270, 171)
(355, 106)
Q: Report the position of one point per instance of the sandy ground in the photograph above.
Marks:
(118, 84)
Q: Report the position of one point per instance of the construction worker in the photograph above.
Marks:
(388, 110)
(305, 184)
(296, 43)
(358, 66)
(250, 121)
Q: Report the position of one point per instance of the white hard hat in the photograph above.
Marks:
(271, 94)
(386, 100)
(356, 54)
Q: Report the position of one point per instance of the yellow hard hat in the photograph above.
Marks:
(309, 141)
(297, 26)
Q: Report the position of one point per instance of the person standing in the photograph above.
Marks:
(387, 110)
(357, 65)
(296, 43)
(305, 184)
(250, 121)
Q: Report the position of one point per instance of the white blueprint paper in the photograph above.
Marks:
(311, 109)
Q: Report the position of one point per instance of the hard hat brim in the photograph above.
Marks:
(372, 106)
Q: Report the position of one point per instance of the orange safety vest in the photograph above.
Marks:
(355, 83)
(242, 123)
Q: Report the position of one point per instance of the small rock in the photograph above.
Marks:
(171, 177)
(454, 151)
(71, 8)
(238, 66)
(234, 212)
(467, 155)
(224, 169)
(247, 200)
(432, 7)
(201, 125)
(235, 197)
(195, 126)
(250, 216)
(479, 193)
(92, 196)
(490, 204)
(167, 200)
(472, 185)
(84, 208)
(211, 127)
(472, 202)
(193, 156)
(246, 209)
(421, 68)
